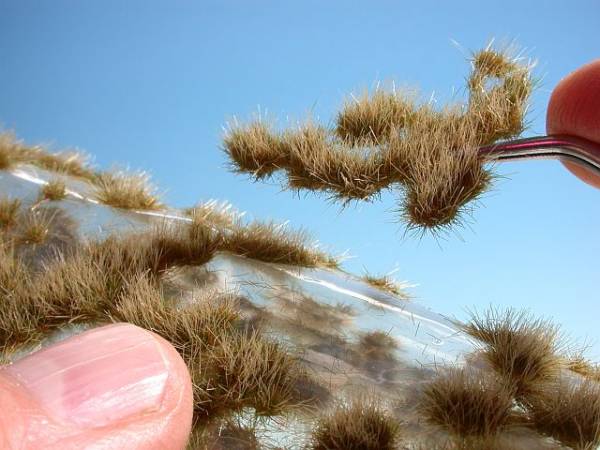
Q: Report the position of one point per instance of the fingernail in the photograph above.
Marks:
(98, 377)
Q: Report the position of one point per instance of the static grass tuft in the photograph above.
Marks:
(568, 412)
(35, 226)
(254, 148)
(53, 190)
(127, 191)
(370, 119)
(387, 284)
(584, 367)
(9, 211)
(275, 243)
(467, 404)
(360, 425)
(386, 140)
(14, 152)
(522, 349)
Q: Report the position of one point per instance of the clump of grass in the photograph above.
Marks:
(467, 404)
(254, 148)
(569, 413)
(20, 318)
(35, 227)
(377, 345)
(14, 152)
(584, 367)
(387, 284)
(371, 119)
(9, 211)
(127, 191)
(53, 190)
(520, 348)
(221, 216)
(360, 425)
(272, 242)
(384, 140)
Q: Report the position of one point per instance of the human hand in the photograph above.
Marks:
(114, 387)
(574, 109)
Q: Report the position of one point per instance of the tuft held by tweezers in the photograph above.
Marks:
(563, 147)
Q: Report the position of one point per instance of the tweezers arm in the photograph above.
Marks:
(570, 148)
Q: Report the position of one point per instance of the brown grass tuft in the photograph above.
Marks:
(126, 190)
(9, 211)
(584, 367)
(387, 284)
(569, 413)
(35, 226)
(385, 140)
(371, 119)
(14, 152)
(53, 190)
(254, 148)
(360, 425)
(274, 243)
(467, 404)
(520, 348)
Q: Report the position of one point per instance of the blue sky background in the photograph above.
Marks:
(150, 85)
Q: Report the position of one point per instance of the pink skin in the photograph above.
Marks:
(114, 387)
(574, 109)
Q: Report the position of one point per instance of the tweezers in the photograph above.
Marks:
(566, 148)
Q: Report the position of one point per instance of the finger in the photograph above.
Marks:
(574, 109)
(114, 387)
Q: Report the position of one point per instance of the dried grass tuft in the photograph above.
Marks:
(275, 243)
(35, 226)
(127, 191)
(9, 211)
(53, 190)
(584, 367)
(522, 349)
(254, 148)
(370, 119)
(467, 404)
(384, 140)
(569, 413)
(360, 425)
(14, 152)
(387, 284)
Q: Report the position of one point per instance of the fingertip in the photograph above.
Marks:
(574, 104)
(574, 109)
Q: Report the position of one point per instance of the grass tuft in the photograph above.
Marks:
(387, 284)
(127, 191)
(53, 190)
(35, 226)
(523, 350)
(568, 412)
(371, 119)
(274, 243)
(467, 404)
(14, 152)
(584, 367)
(9, 211)
(254, 148)
(360, 425)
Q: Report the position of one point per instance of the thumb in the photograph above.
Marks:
(113, 387)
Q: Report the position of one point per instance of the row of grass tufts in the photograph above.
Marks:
(118, 189)
(386, 139)
(530, 385)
